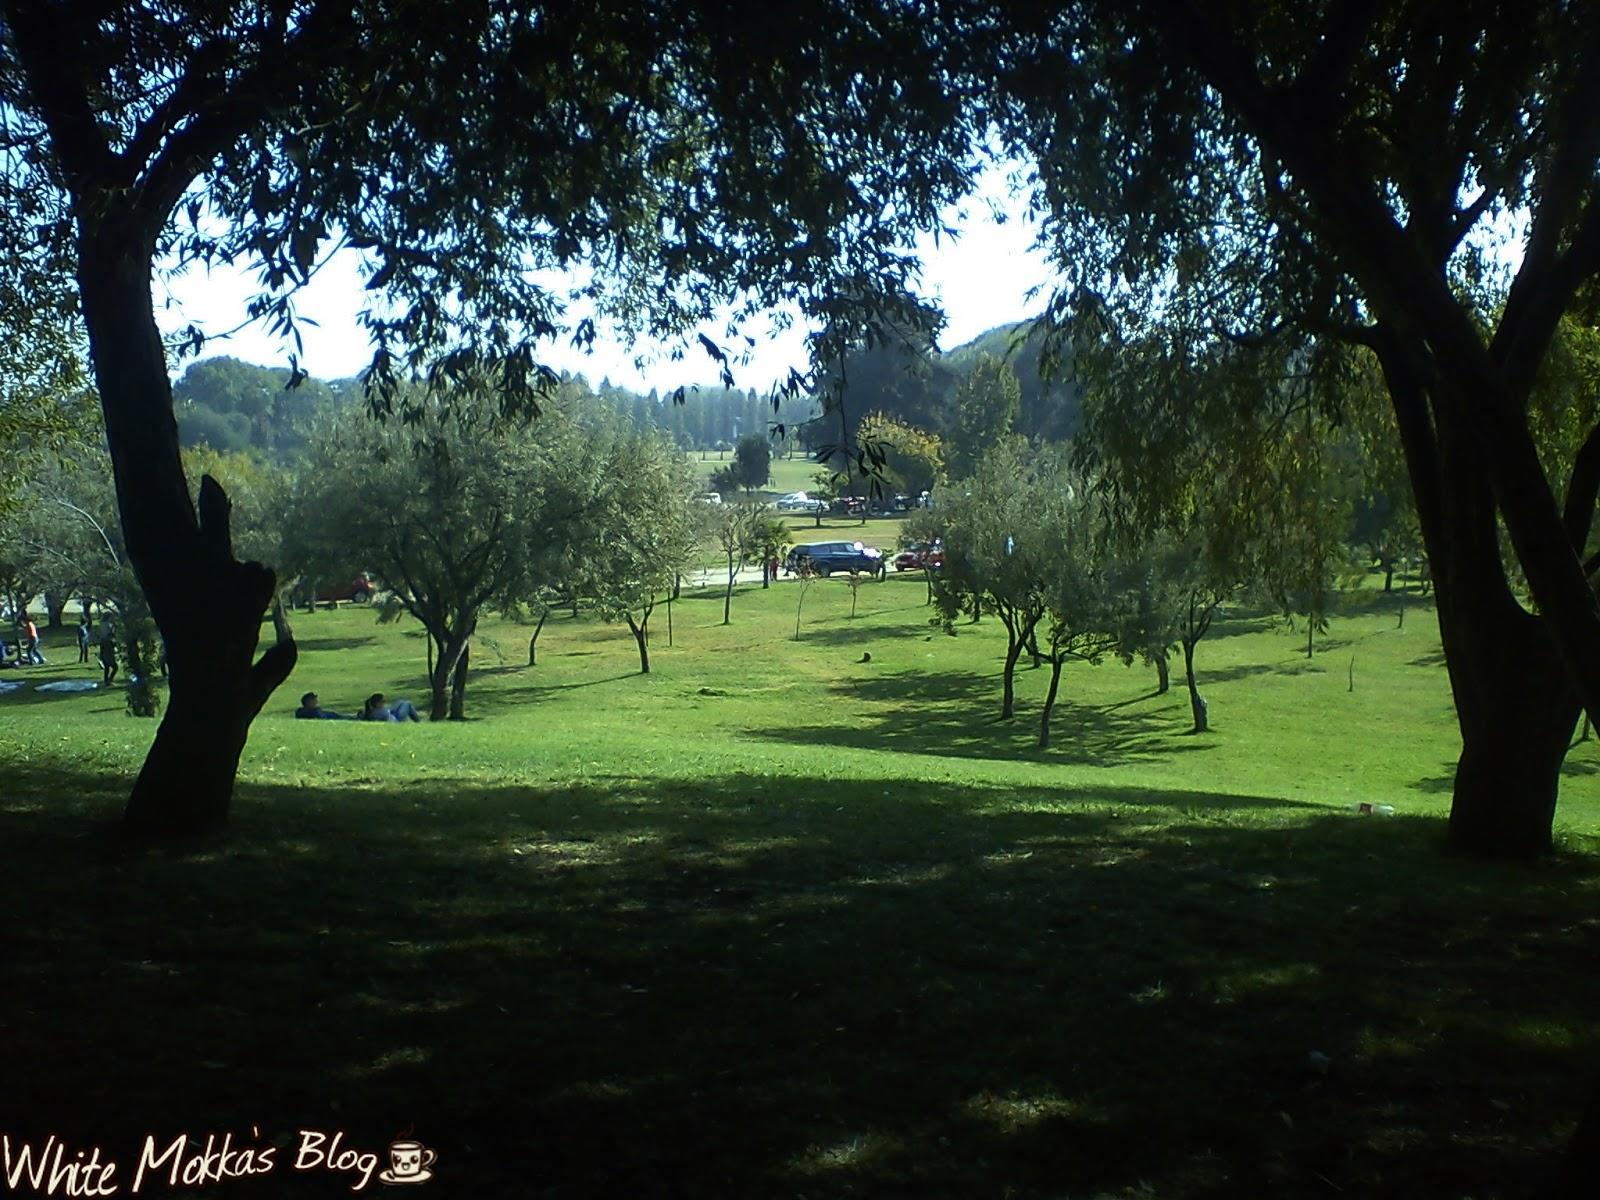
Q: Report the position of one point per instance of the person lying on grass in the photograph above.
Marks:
(376, 710)
(311, 710)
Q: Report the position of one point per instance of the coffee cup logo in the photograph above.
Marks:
(409, 1162)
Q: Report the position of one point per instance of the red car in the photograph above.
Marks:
(358, 590)
(919, 555)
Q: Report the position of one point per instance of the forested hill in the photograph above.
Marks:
(232, 405)
(919, 386)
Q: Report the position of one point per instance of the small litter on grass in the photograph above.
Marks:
(1373, 810)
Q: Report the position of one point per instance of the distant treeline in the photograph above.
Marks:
(232, 405)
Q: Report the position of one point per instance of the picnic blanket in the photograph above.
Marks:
(69, 685)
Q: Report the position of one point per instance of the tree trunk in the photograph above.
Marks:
(1388, 577)
(1163, 672)
(1014, 644)
(207, 604)
(458, 686)
(452, 645)
(1515, 701)
(533, 642)
(1311, 632)
(1050, 701)
(727, 597)
(54, 605)
(1517, 711)
(1198, 707)
(1033, 649)
(642, 637)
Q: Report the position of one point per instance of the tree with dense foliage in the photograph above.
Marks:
(1334, 174)
(986, 404)
(913, 458)
(1001, 530)
(447, 512)
(752, 458)
(699, 153)
(643, 528)
(1083, 605)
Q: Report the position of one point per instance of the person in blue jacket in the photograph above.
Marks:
(311, 710)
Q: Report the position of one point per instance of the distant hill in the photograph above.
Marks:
(232, 405)
(918, 386)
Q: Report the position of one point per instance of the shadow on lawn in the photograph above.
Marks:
(748, 986)
(956, 713)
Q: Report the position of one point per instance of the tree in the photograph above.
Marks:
(1334, 174)
(699, 155)
(986, 404)
(1001, 540)
(1081, 599)
(828, 487)
(643, 527)
(448, 513)
(913, 457)
(1176, 583)
(752, 460)
(743, 533)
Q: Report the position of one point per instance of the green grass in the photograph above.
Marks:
(788, 474)
(773, 921)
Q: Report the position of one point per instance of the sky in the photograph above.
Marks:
(981, 280)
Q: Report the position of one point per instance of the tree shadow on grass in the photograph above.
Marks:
(857, 632)
(487, 703)
(334, 643)
(956, 713)
(741, 985)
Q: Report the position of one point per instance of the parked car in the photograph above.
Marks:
(827, 557)
(800, 502)
(918, 555)
(359, 590)
(709, 498)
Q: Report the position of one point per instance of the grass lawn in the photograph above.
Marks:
(774, 921)
(788, 474)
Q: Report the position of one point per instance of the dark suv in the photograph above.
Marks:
(827, 557)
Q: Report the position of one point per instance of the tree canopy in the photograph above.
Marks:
(1291, 177)
(692, 155)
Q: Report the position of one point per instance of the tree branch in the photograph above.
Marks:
(1544, 285)
(1582, 491)
(52, 60)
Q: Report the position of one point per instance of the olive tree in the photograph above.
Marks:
(694, 154)
(642, 533)
(1327, 176)
(447, 512)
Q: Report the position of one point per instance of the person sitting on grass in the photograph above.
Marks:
(376, 710)
(311, 710)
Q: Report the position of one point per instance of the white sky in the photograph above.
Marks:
(981, 280)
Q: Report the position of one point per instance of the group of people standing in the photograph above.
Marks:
(108, 647)
(30, 647)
